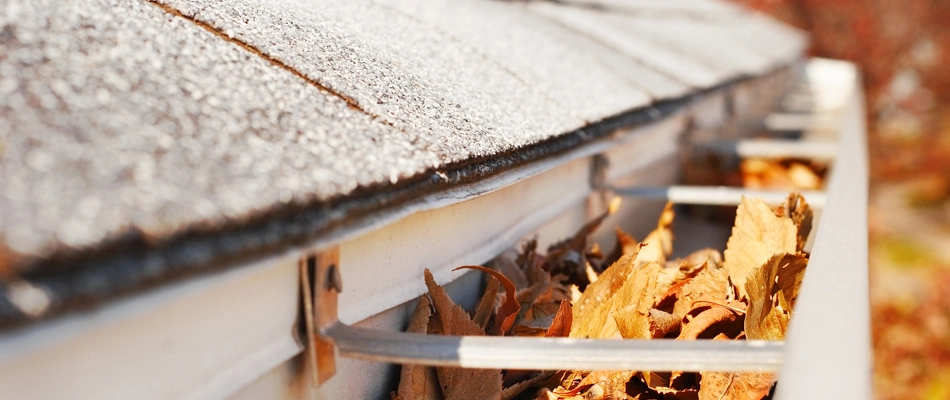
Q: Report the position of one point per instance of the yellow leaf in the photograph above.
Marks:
(757, 235)
(712, 284)
(630, 308)
(587, 319)
(735, 385)
(771, 289)
(796, 209)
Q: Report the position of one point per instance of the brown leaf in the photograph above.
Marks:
(508, 311)
(630, 307)
(705, 319)
(561, 327)
(509, 264)
(542, 298)
(758, 234)
(528, 331)
(711, 284)
(772, 287)
(668, 300)
(796, 209)
(419, 381)
(569, 258)
(601, 384)
(516, 389)
(735, 385)
(454, 319)
(487, 304)
(656, 380)
(662, 323)
(461, 383)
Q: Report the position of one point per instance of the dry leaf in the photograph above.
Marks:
(796, 209)
(508, 311)
(599, 293)
(802, 177)
(625, 244)
(630, 307)
(772, 288)
(658, 245)
(668, 300)
(757, 173)
(461, 383)
(662, 323)
(707, 318)
(561, 326)
(702, 257)
(516, 389)
(712, 284)
(757, 235)
(643, 281)
(487, 304)
(569, 258)
(542, 298)
(419, 381)
(600, 385)
(735, 385)
(509, 264)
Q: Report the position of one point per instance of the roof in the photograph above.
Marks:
(144, 140)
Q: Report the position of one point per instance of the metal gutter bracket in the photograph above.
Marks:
(600, 192)
(320, 285)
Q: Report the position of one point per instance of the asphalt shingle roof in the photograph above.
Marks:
(141, 139)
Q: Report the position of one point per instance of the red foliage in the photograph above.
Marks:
(903, 49)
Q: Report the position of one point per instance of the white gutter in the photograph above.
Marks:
(208, 337)
(829, 339)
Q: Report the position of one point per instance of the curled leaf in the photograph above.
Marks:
(662, 323)
(561, 326)
(771, 288)
(707, 318)
(508, 311)
(796, 209)
(487, 304)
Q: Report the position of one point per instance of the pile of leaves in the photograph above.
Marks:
(782, 174)
(635, 292)
(792, 174)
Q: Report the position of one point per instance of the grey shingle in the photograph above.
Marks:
(119, 117)
(393, 66)
(551, 60)
(141, 140)
(624, 39)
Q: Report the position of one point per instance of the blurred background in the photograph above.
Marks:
(903, 50)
